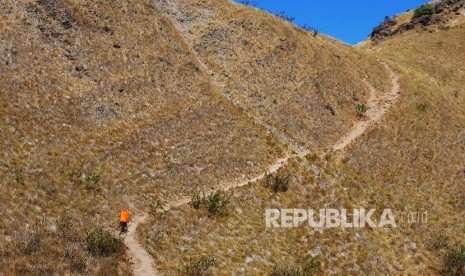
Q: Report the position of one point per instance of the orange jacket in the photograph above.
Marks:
(123, 216)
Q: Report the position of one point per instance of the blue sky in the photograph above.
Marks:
(348, 20)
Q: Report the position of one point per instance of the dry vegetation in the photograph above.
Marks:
(420, 149)
(108, 103)
(410, 162)
(305, 85)
(240, 243)
(102, 105)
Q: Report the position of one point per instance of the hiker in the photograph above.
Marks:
(123, 220)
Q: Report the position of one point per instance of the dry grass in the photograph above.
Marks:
(412, 161)
(107, 91)
(104, 104)
(241, 243)
(420, 148)
(278, 72)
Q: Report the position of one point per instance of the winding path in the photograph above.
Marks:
(143, 263)
(378, 105)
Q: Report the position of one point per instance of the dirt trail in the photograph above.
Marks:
(143, 263)
(378, 105)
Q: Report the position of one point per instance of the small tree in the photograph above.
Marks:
(423, 10)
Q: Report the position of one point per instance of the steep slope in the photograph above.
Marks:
(106, 104)
(304, 86)
(227, 239)
(420, 152)
(410, 162)
(103, 105)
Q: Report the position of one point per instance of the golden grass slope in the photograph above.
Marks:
(304, 85)
(420, 149)
(103, 106)
(411, 161)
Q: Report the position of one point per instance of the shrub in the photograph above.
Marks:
(199, 267)
(248, 3)
(196, 200)
(216, 203)
(76, 260)
(422, 107)
(160, 235)
(94, 178)
(65, 226)
(91, 181)
(454, 261)
(311, 157)
(439, 241)
(103, 243)
(43, 268)
(423, 10)
(156, 207)
(310, 265)
(284, 16)
(311, 29)
(277, 183)
(32, 244)
(287, 271)
(18, 175)
(361, 109)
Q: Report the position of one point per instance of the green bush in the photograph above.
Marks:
(103, 243)
(277, 183)
(454, 261)
(217, 203)
(361, 109)
(199, 267)
(423, 10)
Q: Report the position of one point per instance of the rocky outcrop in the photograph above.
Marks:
(440, 13)
(384, 29)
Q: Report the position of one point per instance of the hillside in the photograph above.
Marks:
(103, 106)
(303, 85)
(153, 105)
(410, 161)
(431, 17)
